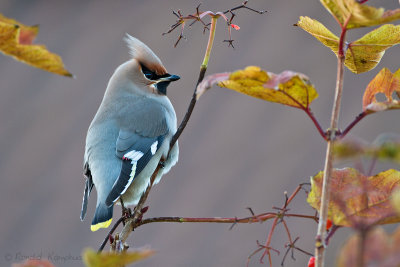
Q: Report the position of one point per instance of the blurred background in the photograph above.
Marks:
(236, 151)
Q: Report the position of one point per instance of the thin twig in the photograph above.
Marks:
(320, 238)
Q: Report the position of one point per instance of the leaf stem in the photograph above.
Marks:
(323, 212)
(316, 123)
(352, 124)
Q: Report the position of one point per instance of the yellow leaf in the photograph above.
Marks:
(320, 32)
(288, 88)
(27, 33)
(356, 199)
(362, 15)
(365, 53)
(361, 55)
(384, 82)
(16, 39)
(106, 259)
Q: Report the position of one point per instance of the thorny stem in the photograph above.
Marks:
(323, 212)
(279, 216)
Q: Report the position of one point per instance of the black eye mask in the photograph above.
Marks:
(152, 75)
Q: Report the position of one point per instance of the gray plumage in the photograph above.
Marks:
(129, 134)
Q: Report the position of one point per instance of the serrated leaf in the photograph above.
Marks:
(288, 88)
(106, 259)
(356, 199)
(361, 55)
(16, 41)
(362, 15)
(380, 249)
(384, 82)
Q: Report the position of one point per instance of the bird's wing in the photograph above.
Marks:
(137, 142)
(88, 188)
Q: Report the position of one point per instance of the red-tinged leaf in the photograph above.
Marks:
(356, 199)
(387, 83)
(27, 34)
(106, 259)
(16, 41)
(288, 88)
(209, 81)
(34, 263)
(380, 249)
(376, 249)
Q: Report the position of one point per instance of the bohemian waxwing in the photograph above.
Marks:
(129, 134)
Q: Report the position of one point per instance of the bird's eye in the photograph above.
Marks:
(148, 73)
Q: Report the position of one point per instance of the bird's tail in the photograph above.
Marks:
(102, 217)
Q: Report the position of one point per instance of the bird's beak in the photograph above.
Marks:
(170, 78)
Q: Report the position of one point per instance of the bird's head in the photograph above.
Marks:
(147, 69)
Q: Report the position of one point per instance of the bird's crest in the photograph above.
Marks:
(144, 55)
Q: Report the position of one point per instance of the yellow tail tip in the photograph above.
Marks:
(95, 227)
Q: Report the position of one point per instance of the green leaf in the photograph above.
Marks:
(386, 147)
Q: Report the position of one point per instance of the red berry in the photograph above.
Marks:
(311, 262)
(328, 225)
(236, 27)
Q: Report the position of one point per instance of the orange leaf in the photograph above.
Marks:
(387, 83)
(16, 41)
(34, 263)
(357, 199)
